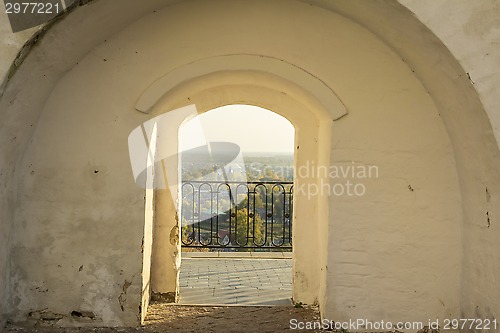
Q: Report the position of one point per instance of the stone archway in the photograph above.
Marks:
(412, 112)
(223, 88)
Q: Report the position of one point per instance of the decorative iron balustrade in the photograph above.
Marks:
(237, 215)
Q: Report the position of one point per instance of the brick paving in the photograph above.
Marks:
(229, 280)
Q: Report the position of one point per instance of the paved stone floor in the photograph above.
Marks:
(198, 319)
(229, 280)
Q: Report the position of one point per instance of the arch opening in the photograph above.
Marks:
(309, 132)
(236, 207)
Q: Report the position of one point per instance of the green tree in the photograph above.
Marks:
(250, 227)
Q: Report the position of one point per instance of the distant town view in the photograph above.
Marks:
(237, 204)
(237, 180)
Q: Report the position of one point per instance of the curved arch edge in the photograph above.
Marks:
(316, 87)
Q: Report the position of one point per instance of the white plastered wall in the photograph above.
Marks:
(471, 31)
(393, 123)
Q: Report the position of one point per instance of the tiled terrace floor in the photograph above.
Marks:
(236, 279)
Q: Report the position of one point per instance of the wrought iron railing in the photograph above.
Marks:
(237, 215)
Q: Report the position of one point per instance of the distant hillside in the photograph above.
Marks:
(224, 153)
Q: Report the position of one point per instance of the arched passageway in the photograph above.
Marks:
(358, 94)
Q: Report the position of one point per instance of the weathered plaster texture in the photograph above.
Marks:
(10, 44)
(471, 31)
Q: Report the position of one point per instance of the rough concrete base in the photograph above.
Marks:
(171, 297)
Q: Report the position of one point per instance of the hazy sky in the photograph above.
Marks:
(253, 128)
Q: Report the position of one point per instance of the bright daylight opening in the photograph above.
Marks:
(236, 207)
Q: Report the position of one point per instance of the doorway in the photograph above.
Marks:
(236, 207)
